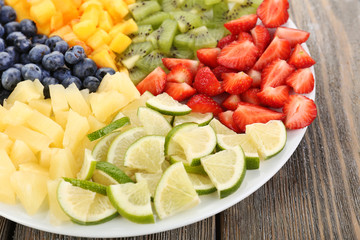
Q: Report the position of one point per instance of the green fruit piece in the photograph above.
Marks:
(165, 104)
(88, 166)
(202, 184)
(152, 180)
(181, 53)
(168, 30)
(155, 20)
(171, 146)
(132, 108)
(141, 10)
(220, 128)
(113, 172)
(84, 184)
(101, 148)
(137, 75)
(186, 20)
(201, 119)
(154, 123)
(170, 5)
(189, 169)
(151, 61)
(133, 53)
(108, 128)
(142, 33)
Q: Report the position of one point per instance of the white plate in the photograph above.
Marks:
(209, 206)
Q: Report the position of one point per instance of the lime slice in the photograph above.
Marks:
(165, 104)
(83, 206)
(131, 109)
(88, 166)
(154, 123)
(146, 154)
(226, 170)
(119, 116)
(202, 184)
(220, 128)
(189, 169)
(175, 192)
(152, 180)
(103, 178)
(108, 128)
(169, 118)
(113, 173)
(132, 200)
(84, 184)
(244, 141)
(101, 148)
(197, 143)
(201, 119)
(172, 147)
(269, 138)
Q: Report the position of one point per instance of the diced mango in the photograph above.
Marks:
(99, 38)
(77, 101)
(44, 28)
(77, 3)
(22, 9)
(76, 129)
(104, 47)
(130, 27)
(91, 13)
(118, 28)
(84, 29)
(90, 4)
(41, 105)
(128, 2)
(21, 153)
(105, 21)
(71, 38)
(5, 142)
(56, 21)
(43, 11)
(61, 32)
(57, 215)
(117, 9)
(25, 91)
(120, 43)
(104, 59)
(58, 98)
(61, 164)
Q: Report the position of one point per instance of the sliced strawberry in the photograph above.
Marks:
(236, 83)
(274, 96)
(247, 113)
(206, 82)
(242, 24)
(300, 58)
(294, 36)
(273, 13)
(300, 112)
(276, 73)
(245, 36)
(250, 96)
(226, 40)
(219, 70)
(179, 91)
(256, 76)
(278, 48)
(302, 80)
(180, 74)
(192, 65)
(154, 82)
(261, 37)
(208, 56)
(239, 55)
(204, 104)
(226, 118)
(231, 102)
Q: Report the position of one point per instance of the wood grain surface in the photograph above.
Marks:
(316, 195)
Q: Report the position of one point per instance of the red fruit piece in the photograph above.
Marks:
(231, 102)
(208, 56)
(261, 37)
(294, 36)
(154, 82)
(250, 96)
(236, 83)
(239, 55)
(273, 13)
(256, 77)
(247, 113)
(276, 73)
(300, 112)
(226, 118)
(300, 58)
(226, 41)
(206, 82)
(274, 97)
(192, 65)
(302, 81)
(242, 24)
(204, 104)
(219, 70)
(179, 91)
(278, 48)
(245, 36)
(180, 74)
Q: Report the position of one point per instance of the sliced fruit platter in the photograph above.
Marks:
(162, 112)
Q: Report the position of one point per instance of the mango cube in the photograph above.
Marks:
(44, 28)
(103, 58)
(117, 9)
(56, 21)
(76, 129)
(99, 38)
(120, 43)
(61, 32)
(91, 13)
(21, 153)
(77, 101)
(22, 9)
(105, 21)
(43, 11)
(84, 29)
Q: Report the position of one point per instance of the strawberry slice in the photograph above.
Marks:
(278, 48)
(239, 55)
(219, 70)
(300, 112)
(294, 36)
(204, 104)
(179, 91)
(180, 74)
(276, 73)
(247, 113)
(256, 77)
(300, 58)
(226, 118)
(236, 83)
(250, 96)
(261, 37)
(154, 82)
(208, 56)
(242, 24)
(205, 82)
(273, 13)
(192, 65)
(231, 102)
(245, 36)
(226, 40)
(274, 96)
(302, 81)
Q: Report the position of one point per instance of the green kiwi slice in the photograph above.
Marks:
(137, 75)
(143, 32)
(141, 10)
(151, 61)
(133, 53)
(155, 20)
(187, 20)
(171, 5)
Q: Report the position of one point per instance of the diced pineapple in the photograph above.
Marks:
(61, 32)
(41, 105)
(18, 114)
(84, 29)
(99, 38)
(57, 215)
(105, 21)
(45, 157)
(76, 129)
(21, 153)
(58, 98)
(118, 28)
(7, 193)
(56, 21)
(120, 43)
(3, 122)
(103, 59)
(107, 48)
(6, 165)
(95, 124)
(34, 167)
(77, 101)
(5, 142)
(43, 11)
(25, 91)
(85, 93)
(62, 164)
(61, 118)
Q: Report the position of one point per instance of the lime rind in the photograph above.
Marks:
(87, 185)
(100, 150)
(171, 147)
(220, 128)
(165, 104)
(108, 128)
(88, 166)
(113, 172)
(201, 119)
(189, 169)
(202, 184)
(154, 123)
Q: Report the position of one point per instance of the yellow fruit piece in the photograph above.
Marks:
(43, 28)
(5, 142)
(56, 21)
(61, 118)
(11, 2)
(85, 93)
(76, 129)
(104, 47)
(130, 27)
(104, 59)
(77, 101)
(57, 215)
(6, 165)
(95, 124)
(25, 91)
(33, 167)
(105, 21)
(58, 98)
(71, 38)
(84, 29)
(90, 4)
(18, 114)
(99, 38)
(22, 9)
(118, 28)
(117, 9)
(7, 193)
(45, 157)
(21, 153)
(120, 43)
(61, 32)
(3, 113)
(43, 11)
(41, 105)
(61, 164)
(77, 3)
(92, 14)
(128, 2)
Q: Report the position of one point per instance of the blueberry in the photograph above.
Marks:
(2, 45)
(91, 83)
(3, 95)
(46, 82)
(53, 61)
(62, 73)
(101, 72)
(10, 78)
(2, 31)
(24, 58)
(18, 66)
(22, 44)
(45, 73)
(52, 41)
(11, 27)
(2, 3)
(28, 27)
(7, 14)
(61, 46)
(15, 55)
(5, 61)
(37, 53)
(75, 54)
(10, 39)
(31, 71)
(39, 38)
(71, 80)
(84, 68)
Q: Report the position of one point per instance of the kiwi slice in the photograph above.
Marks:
(220, 12)
(143, 32)
(217, 33)
(137, 75)
(133, 53)
(196, 6)
(171, 5)
(211, 2)
(187, 20)
(141, 10)
(155, 20)
(244, 8)
(151, 61)
(163, 37)
(195, 39)
(181, 53)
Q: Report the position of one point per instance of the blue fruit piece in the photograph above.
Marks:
(15, 55)
(61, 46)
(2, 31)
(28, 27)
(71, 80)
(11, 27)
(62, 73)
(101, 72)
(45, 73)
(2, 45)
(5, 61)
(10, 78)
(4, 94)
(2, 3)
(22, 44)
(24, 58)
(39, 38)
(84, 68)
(46, 82)
(37, 53)
(18, 66)
(74, 55)
(7, 14)
(53, 61)
(91, 83)
(31, 71)
(51, 42)
(10, 39)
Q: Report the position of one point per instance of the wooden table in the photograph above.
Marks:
(316, 195)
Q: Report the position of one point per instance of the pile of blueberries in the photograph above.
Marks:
(26, 55)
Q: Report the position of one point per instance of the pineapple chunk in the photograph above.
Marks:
(62, 164)
(6, 165)
(7, 193)
(128, 2)
(105, 21)
(3, 114)
(120, 43)
(85, 93)
(130, 27)
(18, 114)
(57, 215)
(95, 124)
(33, 167)
(76, 129)
(43, 11)
(5, 142)
(58, 98)
(25, 91)
(100, 37)
(45, 157)
(41, 105)
(84, 29)
(21, 153)
(77, 101)
(104, 59)
(61, 118)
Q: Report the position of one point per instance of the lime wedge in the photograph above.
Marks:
(201, 119)
(101, 148)
(118, 116)
(131, 109)
(172, 147)
(154, 123)
(152, 180)
(202, 183)
(220, 128)
(84, 184)
(189, 169)
(113, 173)
(108, 128)
(226, 170)
(88, 166)
(165, 104)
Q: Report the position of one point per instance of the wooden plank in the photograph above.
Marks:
(6, 228)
